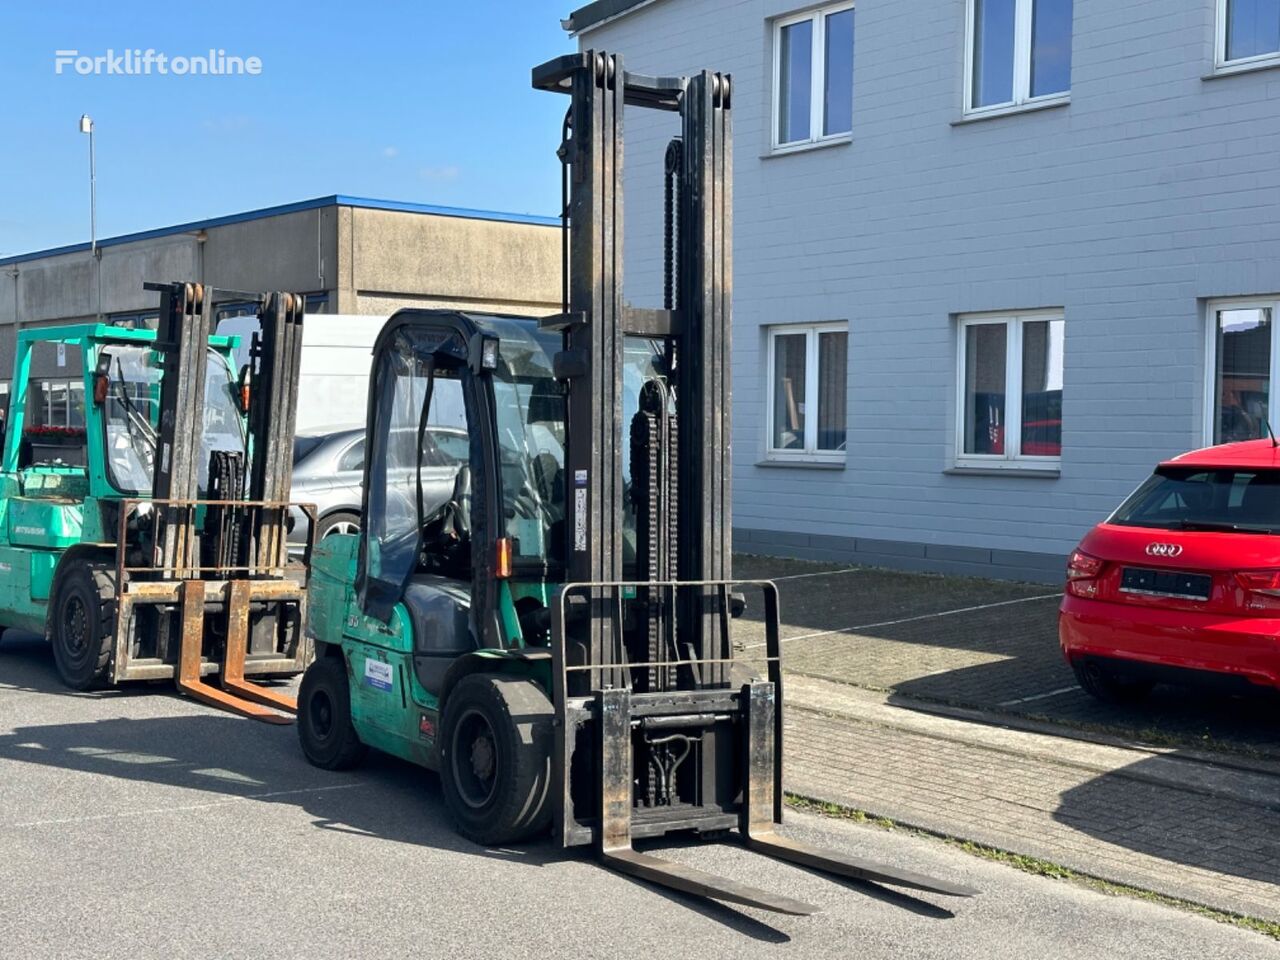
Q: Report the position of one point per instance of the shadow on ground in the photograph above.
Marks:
(1165, 824)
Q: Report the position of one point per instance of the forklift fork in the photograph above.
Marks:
(761, 811)
(236, 648)
(239, 699)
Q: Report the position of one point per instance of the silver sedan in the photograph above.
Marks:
(328, 470)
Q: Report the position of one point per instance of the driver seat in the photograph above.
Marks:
(446, 535)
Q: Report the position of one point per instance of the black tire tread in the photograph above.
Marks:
(103, 577)
(324, 523)
(523, 810)
(1102, 686)
(350, 751)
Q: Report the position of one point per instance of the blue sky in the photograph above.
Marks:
(421, 101)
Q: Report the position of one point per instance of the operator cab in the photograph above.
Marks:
(470, 538)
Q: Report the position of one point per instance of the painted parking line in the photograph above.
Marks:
(189, 808)
(820, 573)
(923, 616)
(1038, 696)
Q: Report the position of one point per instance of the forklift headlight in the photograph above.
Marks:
(483, 353)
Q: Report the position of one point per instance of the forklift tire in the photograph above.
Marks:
(328, 737)
(81, 625)
(495, 758)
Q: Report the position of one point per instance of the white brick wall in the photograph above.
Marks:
(1153, 190)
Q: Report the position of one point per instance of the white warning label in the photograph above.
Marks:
(580, 519)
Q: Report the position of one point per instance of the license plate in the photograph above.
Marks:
(1166, 583)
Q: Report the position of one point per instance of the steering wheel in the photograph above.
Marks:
(526, 503)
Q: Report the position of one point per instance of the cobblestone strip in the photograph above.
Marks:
(1216, 851)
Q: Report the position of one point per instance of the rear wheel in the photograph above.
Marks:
(337, 523)
(1106, 685)
(81, 625)
(325, 730)
(495, 762)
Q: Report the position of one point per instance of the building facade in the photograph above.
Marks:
(347, 255)
(993, 259)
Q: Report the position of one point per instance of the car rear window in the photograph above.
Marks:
(303, 446)
(1231, 499)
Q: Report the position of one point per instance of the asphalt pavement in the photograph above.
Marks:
(140, 824)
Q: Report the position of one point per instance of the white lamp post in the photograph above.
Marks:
(86, 126)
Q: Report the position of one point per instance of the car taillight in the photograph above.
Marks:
(1261, 589)
(1082, 574)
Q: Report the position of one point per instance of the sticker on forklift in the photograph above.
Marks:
(6, 568)
(580, 519)
(378, 675)
(579, 478)
(426, 727)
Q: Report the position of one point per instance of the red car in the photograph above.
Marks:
(1182, 582)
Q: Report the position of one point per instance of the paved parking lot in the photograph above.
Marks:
(983, 644)
(140, 824)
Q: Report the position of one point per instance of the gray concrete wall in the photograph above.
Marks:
(296, 251)
(1153, 190)
(409, 259)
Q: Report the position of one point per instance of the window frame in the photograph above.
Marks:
(1013, 458)
(1022, 30)
(810, 452)
(1212, 307)
(1220, 62)
(817, 76)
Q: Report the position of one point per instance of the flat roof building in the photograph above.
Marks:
(347, 255)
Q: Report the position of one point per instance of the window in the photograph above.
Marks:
(1248, 32)
(808, 402)
(61, 403)
(1019, 52)
(813, 77)
(1241, 355)
(352, 458)
(1010, 356)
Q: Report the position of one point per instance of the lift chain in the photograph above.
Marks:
(675, 151)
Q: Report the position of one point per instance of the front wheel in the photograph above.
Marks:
(325, 730)
(495, 762)
(81, 625)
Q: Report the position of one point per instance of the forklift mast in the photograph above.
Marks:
(688, 509)
(224, 547)
(647, 694)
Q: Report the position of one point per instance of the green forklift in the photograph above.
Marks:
(556, 634)
(149, 542)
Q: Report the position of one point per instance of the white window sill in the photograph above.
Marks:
(804, 463)
(1243, 66)
(808, 145)
(1039, 469)
(1013, 109)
